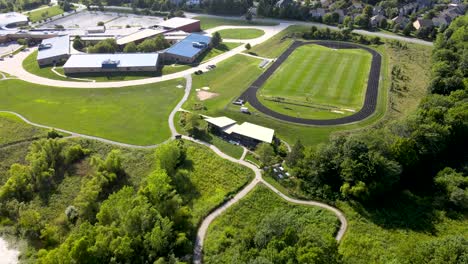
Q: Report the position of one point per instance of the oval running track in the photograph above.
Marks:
(370, 101)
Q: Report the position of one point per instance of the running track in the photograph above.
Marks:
(370, 101)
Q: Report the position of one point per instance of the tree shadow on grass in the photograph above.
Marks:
(402, 211)
(183, 183)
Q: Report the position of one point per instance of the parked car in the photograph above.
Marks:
(245, 110)
(239, 102)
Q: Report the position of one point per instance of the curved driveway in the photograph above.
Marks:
(370, 101)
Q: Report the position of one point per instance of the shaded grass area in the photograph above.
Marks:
(242, 223)
(220, 49)
(41, 14)
(241, 33)
(13, 129)
(135, 115)
(211, 22)
(210, 180)
(30, 65)
(394, 233)
(318, 82)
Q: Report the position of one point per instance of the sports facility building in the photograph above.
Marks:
(188, 49)
(123, 62)
(53, 50)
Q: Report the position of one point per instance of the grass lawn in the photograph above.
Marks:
(240, 225)
(44, 13)
(13, 129)
(277, 44)
(30, 64)
(211, 22)
(241, 33)
(315, 81)
(391, 235)
(220, 49)
(224, 81)
(135, 115)
(209, 181)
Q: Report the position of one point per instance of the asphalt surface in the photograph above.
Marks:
(370, 101)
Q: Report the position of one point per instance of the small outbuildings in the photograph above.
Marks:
(53, 51)
(188, 49)
(98, 63)
(246, 134)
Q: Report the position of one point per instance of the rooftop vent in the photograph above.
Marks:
(199, 45)
(110, 64)
(45, 46)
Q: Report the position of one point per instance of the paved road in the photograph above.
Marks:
(320, 25)
(370, 100)
(188, 87)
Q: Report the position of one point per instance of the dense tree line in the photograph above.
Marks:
(424, 153)
(110, 46)
(20, 5)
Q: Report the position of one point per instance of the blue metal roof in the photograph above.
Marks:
(120, 59)
(58, 46)
(188, 47)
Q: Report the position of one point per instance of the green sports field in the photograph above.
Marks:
(318, 82)
(241, 33)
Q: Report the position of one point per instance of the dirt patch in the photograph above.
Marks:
(204, 95)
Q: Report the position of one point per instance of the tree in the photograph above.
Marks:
(167, 157)
(100, 23)
(104, 46)
(383, 23)
(130, 48)
(266, 154)
(247, 46)
(216, 39)
(296, 154)
(72, 213)
(408, 29)
(248, 16)
(454, 186)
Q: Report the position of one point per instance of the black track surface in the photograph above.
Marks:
(370, 101)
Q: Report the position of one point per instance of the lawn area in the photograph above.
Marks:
(31, 66)
(241, 33)
(241, 233)
(44, 13)
(13, 129)
(209, 181)
(211, 22)
(315, 81)
(224, 81)
(394, 235)
(277, 44)
(220, 49)
(135, 115)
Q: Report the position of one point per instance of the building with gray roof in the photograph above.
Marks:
(120, 62)
(53, 50)
(13, 20)
(188, 49)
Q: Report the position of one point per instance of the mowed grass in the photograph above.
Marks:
(315, 81)
(13, 129)
(211, 22)
(242, 221)
(210, 179)
(241, 33)
(134, 115)
(228, 80)
(37, 15)
(277, 44)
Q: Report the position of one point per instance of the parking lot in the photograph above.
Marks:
(88, 19)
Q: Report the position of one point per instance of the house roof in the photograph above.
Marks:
(58, 46)
(187, 47)
(12, 18)
(139, 35)
(424, 22)
(177, 22)
(123, 59)
(221, 121)
(250, 130)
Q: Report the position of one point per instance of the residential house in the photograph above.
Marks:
(283, 3)
(378, 10)
(340, 13)
(326, 3)
(317, 13)
(375, 20)
(408, 9)
(401, 20)
(421, 23)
